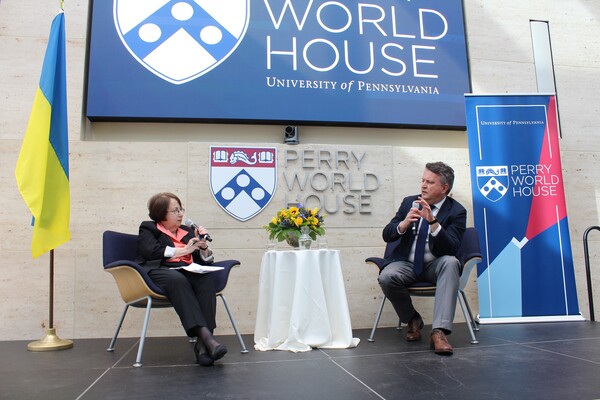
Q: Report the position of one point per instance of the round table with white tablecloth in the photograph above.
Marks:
(302, 302)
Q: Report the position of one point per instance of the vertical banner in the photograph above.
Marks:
(519, 210)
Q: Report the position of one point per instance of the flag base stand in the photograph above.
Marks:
(50, 342)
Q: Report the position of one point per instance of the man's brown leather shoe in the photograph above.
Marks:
(414, 328)
(439, 343)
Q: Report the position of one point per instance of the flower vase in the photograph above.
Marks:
(304, 241)
(292, 240)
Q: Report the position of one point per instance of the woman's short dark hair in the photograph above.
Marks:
(445, 172)
(158, 205)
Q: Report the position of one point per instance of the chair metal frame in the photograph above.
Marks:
(469, 255)
(139, 291)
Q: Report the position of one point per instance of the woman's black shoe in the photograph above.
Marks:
(218, 352)
(202, 358)
(215, 350)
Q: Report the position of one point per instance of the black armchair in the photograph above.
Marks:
(138, 290)
(469, 255)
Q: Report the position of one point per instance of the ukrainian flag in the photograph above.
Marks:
(42, 170)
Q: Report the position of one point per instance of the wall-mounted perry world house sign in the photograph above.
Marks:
(377, 62)
(243, 179)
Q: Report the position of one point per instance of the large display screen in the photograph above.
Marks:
(378, 62)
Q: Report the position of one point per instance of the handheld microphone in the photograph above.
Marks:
(191, 224)
(414, 225)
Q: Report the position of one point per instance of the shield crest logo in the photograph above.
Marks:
(180, 40)
(493, 181)
(243, 179)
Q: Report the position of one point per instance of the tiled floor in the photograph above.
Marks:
(516, 361)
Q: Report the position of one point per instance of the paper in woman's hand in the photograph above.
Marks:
(199, 269)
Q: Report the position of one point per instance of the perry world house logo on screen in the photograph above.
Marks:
(243, 179)
(181, 40)
(381, 62)
(492, 181)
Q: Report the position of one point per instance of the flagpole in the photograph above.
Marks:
(51, 341)
(44, 162)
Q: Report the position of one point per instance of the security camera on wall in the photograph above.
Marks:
(290, 135)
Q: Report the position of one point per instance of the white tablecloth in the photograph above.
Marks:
(302, 302)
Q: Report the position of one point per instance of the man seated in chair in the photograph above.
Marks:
(438, 223)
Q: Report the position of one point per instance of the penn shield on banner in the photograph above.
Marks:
(519, 210)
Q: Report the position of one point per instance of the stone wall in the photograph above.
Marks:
(116, 167)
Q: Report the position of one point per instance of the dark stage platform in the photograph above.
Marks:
(513, 361)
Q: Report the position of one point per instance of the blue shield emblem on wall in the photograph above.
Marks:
(492, 181)
(243, 179)
(180, 40)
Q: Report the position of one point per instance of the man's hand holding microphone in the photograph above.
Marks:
(420, 209)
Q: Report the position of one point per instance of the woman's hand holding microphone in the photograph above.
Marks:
(191, 246)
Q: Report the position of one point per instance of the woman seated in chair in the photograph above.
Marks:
(165, 243)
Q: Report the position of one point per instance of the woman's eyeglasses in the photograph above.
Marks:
(177, 211)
